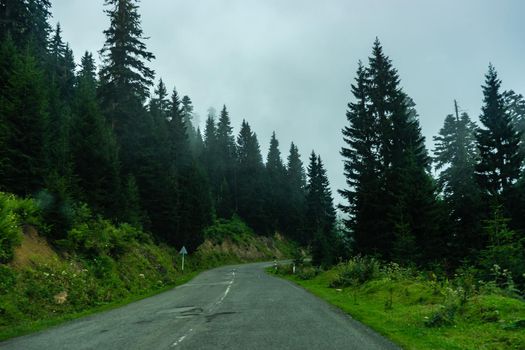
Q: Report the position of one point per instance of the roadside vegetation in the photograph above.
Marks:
(422, 310)
(100, 265)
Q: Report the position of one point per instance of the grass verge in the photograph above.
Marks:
(416, 313)
(39, 325)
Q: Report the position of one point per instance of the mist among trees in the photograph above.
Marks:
(123, 142)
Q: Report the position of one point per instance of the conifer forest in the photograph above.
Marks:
(86, 140)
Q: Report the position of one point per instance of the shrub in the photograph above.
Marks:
(100, 237)
(504, 252)
(7, 279)
(10, 230)
(308, 272)
(357, 270)
(234, 229)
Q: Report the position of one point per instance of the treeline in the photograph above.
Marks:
(471, 214)
(71, 135)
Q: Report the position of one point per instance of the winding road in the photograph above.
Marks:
(232, 307)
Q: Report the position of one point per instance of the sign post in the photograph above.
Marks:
(183, 252)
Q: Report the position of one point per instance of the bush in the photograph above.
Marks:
(357, 270)
(234, 229)
(505, 252)
(7, 279)
(10, 230)
(100, 237)
(308, 272)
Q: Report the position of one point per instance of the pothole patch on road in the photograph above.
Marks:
(183, 311)
(210, 318)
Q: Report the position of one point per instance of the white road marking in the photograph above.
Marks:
(181, 338)
(227, 289)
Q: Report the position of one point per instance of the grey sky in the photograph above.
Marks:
(287, 65)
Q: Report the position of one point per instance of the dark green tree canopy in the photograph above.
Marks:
(498, 142)
(124, 55)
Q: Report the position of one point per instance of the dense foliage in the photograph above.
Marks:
(124, 146)
(472, 214)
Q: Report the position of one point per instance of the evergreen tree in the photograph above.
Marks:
(515, 107)
(194, 207)
(515, 199)
(320, 213)
(159, 105)
(387, 167)
(250, 175)
(93, 142)
(294, 201)
(124, 78)
(187, 112)
(23, 114)
(225, 166)
(26, 23)
(361, 166)
(180, 149)
(455, 156)
(276, 182)
(498, 142)
(58, 154)
(209, 156)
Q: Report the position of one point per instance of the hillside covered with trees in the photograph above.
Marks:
(107, 162)
(118, 140)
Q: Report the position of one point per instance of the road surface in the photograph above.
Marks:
(233, 307)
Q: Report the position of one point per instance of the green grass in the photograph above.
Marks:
(39, 325)
(484, 322)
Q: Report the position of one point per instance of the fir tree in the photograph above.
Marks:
(276, 181)
(26, 22)
(294, 201)
(320, 213)
(124, 78)
(250, 175)
(225, 177)
(361, 168)
(187, 112)
(455, 156)
(58, 126)
(180, 149)
(498, 142)
(23, 116)
(515, 107)
(93, 142)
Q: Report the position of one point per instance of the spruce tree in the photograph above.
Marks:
(180, 149)
(58, 153)
(294, 201)
(515, 107)
(250, 179)
(455, 157)
(187, 111)
(124, 78)
(93, 142)
(387, 167)
(225, 177)
(361, 168)
(498, 142)
(23, 115)
(320, 214)
(26, 22)
(276, 182)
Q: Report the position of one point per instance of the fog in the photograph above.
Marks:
(287, 66)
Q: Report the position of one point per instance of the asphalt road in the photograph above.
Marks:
(233, 307)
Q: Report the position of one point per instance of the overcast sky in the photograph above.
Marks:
(287, 65)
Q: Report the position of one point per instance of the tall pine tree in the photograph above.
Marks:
(498, 142)
(455, 157)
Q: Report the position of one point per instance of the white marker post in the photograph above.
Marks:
(183, 252)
